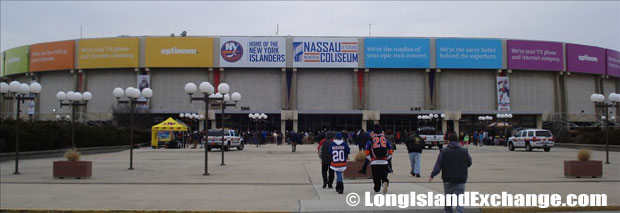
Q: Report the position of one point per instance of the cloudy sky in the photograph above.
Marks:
(591, 23)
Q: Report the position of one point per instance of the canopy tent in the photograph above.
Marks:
(169, 124)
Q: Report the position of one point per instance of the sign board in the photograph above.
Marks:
(252, 52)
(397, 52)
(585, 59)
(503, 93)
(613, 63)
(469, 53)
(16, 60)
(535, 55)
(52, 56)
(108, 53)
(178, 52)
(325, 52)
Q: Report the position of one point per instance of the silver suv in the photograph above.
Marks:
(531, 139)
(231, 139)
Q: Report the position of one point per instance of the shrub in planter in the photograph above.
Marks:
(583, 167)
(72, 167)
(354, 166)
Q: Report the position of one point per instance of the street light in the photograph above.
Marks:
(132, 95)
(599, 101)
(207, 90)
(20, 92)
(224, 97)
(73, 100)
(257, 118)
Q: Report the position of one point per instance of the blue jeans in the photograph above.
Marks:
(338, 176)
(453, 188)
(414, 157)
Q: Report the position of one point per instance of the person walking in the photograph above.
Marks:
(294, 137)
(379, 152)
(390, 137)
(466, 140)
(326, 159)
(340, 152)
(415, 145)
(475, 138)
(361, 139)
(453, 163)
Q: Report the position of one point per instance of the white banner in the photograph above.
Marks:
(503, 93)
(325, 52)
(252, 52)
(144, 81)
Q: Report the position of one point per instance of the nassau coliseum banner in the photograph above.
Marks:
(252, 52)
(325, 52)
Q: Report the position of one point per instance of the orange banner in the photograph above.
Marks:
(52, 56)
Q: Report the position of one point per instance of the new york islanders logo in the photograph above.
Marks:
(231, 51)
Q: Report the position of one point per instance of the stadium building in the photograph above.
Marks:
(310, 83)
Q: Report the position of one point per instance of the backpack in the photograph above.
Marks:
(379, 147)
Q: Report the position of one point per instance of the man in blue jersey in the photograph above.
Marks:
(340, 152)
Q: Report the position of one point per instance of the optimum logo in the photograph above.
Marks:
(231, 51)
(175, 51)
(586, 57)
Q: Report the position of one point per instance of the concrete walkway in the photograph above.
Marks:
(273, 178)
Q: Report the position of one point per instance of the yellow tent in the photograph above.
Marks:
(168, 125)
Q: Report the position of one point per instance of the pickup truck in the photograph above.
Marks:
(231, 139)
(431, 137)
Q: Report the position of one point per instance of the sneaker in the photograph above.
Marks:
(324, 185)
(417, 175)
(330, 186)
(412, 174)
(385, 187)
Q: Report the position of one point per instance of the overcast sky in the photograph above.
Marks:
(590, 23)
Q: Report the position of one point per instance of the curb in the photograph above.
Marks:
(550, 209)
(132, 210)
(60, 152)
(598, 147)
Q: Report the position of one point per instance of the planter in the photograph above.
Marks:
(593, 168)
(75, 169)
(353, 167)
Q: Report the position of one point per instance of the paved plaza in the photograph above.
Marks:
(271, 177)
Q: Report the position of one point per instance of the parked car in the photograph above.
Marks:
(431, 137)
(531, 139)
(231, 139)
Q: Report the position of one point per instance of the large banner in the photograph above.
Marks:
(108, 53)
(178, 52)
(469, 53)
(16, 60)
(52, 56)
(585, 59)
(613, 63)
(535, 55)
(397, 52)
(143, 81)
(503, 93)
(325, 52)
(252, 52)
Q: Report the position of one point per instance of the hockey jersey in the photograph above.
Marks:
(378, 149)
(340, 152)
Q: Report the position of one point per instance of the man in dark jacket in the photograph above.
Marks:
(361, 139)
(452, 162)
(415, 144)
(326, 159)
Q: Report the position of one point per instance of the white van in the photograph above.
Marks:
(531, 139)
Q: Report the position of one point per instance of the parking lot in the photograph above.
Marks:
(271, 177)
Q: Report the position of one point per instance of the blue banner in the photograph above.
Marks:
(469, 53)
(397, 52)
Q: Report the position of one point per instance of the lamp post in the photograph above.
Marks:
(132, 95)
(503, 118)
(73, 100)
(20, 93)
(223, 89)
(484, 120)
(599, 102)
(206, 89)
(257, 118)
